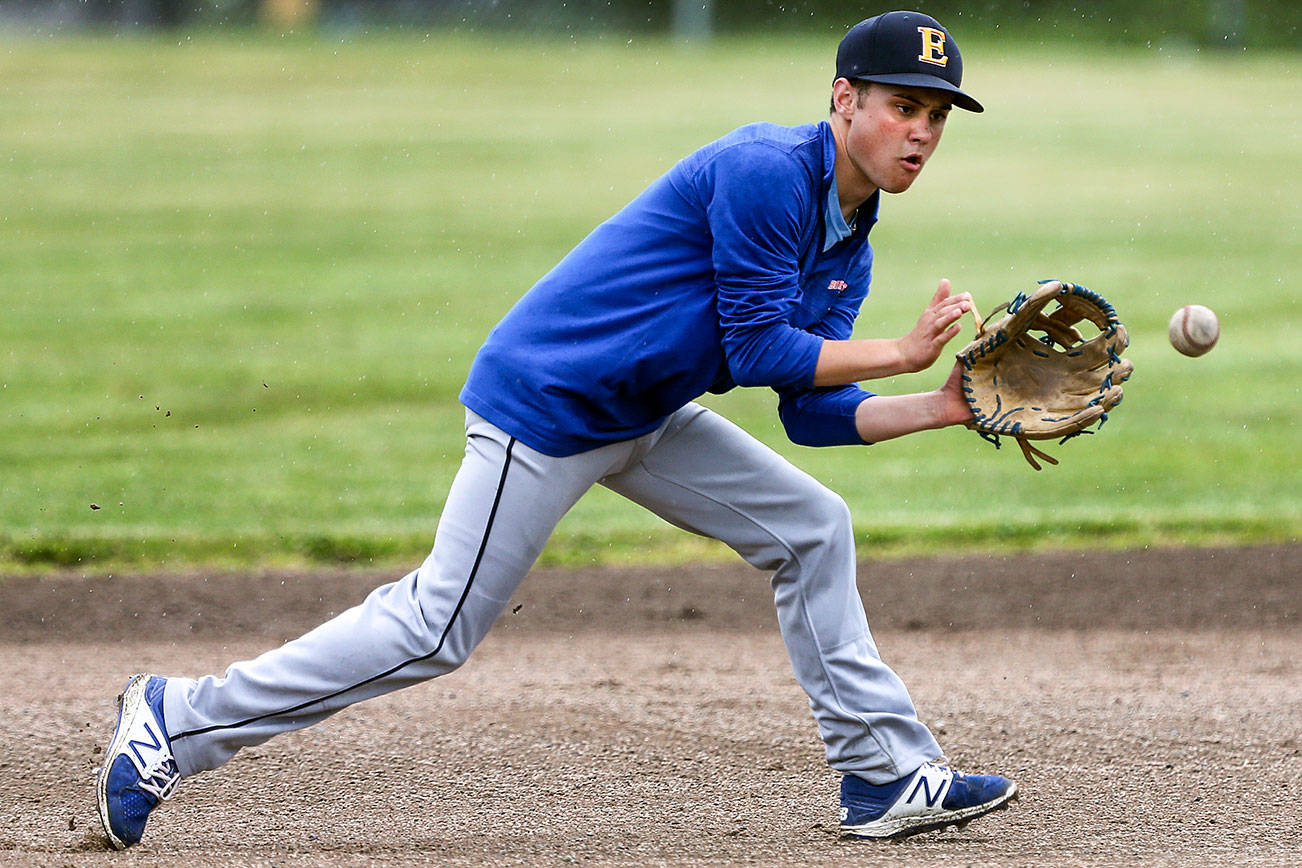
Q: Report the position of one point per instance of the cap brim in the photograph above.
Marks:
(917, 79)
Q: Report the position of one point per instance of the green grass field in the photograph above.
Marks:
(243, 278)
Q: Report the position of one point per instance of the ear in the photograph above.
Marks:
(845, 98)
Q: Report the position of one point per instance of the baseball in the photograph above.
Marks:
(1194, 329)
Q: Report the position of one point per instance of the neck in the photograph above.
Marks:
(852, 189)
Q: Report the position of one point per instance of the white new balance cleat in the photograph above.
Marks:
(933, 797)
(139, 771)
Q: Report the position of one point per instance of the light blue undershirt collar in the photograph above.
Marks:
(836, 229)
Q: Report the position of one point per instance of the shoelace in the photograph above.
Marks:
(161, 777)
(941, 762)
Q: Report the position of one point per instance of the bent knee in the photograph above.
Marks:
(828, 512)
(821, 523)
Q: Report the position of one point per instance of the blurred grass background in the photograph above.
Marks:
(244, 276)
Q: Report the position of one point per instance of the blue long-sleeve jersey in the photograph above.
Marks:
(714, 277)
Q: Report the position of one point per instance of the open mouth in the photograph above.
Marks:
(913, 161)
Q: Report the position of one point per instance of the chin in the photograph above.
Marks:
(898, 187)
(896, 182)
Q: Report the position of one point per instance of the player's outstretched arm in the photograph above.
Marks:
(883, 417)
(842, 362)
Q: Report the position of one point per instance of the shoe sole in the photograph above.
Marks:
(906, 826)
(132, 696)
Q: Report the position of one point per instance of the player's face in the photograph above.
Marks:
(893, 130)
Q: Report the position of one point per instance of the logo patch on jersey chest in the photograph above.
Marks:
(838, 286)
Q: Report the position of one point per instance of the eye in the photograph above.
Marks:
(904, 108)
(939, 117)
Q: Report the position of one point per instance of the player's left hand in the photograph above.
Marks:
(954, 408)
(937, 326)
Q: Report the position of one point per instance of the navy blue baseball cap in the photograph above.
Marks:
(904, 48)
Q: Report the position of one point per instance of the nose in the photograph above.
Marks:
(921, 131)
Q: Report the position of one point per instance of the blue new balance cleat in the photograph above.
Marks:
(139, 771)
(933, 797)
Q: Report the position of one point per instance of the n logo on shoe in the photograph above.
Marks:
(929, 798)
(154, 744)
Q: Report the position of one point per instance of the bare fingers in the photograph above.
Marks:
(938, 325)
(945, 313)
(942, 292)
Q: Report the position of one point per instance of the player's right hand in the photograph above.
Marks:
(937, 326)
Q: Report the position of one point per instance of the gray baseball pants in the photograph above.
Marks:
(697, 471)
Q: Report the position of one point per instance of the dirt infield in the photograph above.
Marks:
(1149, 703)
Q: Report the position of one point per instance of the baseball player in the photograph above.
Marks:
(744, 265)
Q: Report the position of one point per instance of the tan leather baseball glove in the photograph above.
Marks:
(1032, 375)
